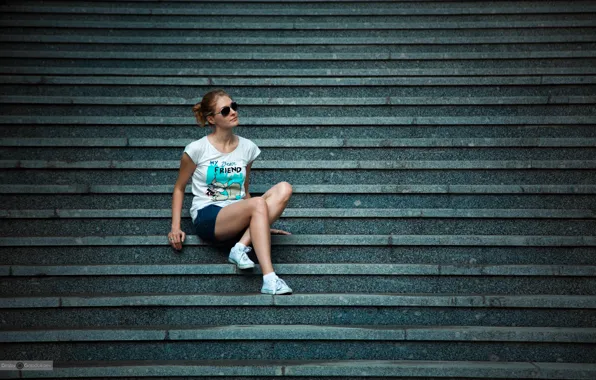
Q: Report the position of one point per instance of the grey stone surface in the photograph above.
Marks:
(208, 315)
(183, 90)
(449, 287)
(303, 284)
(294, 10)
(311, 164)
(304, 269)
(307, 332)
(34, 50)
(316, 240)
(298, 82)
(264, 51)
(298, 299)
(319, 68)
(300, 253)
(568, 117)
(331, 155)
(307, 350)
(346, 143)
(442, 227)
(288, 25)
(467, 177)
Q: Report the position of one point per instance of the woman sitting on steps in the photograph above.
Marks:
(222, 207)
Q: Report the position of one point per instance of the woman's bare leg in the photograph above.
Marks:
(254, 214)
(277, 199)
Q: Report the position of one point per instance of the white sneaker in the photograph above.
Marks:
(278, 286)
(239, 257)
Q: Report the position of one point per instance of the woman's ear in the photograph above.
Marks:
(211, 120)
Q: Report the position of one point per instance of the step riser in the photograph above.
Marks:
(329, 315)
(292, 91)
(348, 177)
(62, 286)
(361, 201)
(193, 132)
(164, 66)
(388, 52)
(308, 350)
(462, 255)
(300, 37)
(334, 154)
(288, 111)
(311, 226)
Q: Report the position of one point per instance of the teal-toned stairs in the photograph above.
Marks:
(442, 156)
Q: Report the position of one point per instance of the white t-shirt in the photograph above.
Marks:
(219, 177)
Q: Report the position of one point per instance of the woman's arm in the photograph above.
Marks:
(187, 168)
(246, 180)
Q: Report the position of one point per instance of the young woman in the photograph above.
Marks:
(222, 208)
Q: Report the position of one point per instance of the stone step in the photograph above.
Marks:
(301, 101)
(322, 369)
(423, 176)
(435, 94)
(550, 205)
(297, 9)
(316, 154)
(313, 189)
(123, 284)
(289, 69)
(318, 115)
(301, 82)
(307, 332)
(335, 154)
(38, 52)
(257, 24)
(336, 53)
(311, 164)
(303, 269)
(190, 132)
(19, 281)
(201, 40)
(480, 302)
(318, 240)
(443, 226)
(407, 316)
(301, 253)
(308, 121)
(310, 213)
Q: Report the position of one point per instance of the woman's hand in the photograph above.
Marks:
(176, 237)
(279, 232)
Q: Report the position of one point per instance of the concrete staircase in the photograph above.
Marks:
(443, 161)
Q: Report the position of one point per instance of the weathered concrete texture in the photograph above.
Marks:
(425, 244)
(321, 284)
(173, 316)
(307, 350)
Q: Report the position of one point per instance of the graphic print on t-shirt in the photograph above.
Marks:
(224, 181)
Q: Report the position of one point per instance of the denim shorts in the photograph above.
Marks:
(204, 223)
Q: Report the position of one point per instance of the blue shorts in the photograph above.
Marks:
(204, 223)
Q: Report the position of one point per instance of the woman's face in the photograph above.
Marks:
(229, 121)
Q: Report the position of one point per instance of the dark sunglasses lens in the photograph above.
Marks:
(234, 106)
(225, 111)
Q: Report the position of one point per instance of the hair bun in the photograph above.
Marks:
(199, 114)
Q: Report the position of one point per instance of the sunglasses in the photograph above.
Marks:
(226, 110)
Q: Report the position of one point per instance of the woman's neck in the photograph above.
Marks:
(223, 136)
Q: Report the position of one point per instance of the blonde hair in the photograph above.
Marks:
(204, 108)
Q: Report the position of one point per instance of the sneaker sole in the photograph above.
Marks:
(241, 266)
(278, 294)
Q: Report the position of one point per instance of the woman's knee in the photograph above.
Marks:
(259, 205)
(285, 190)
